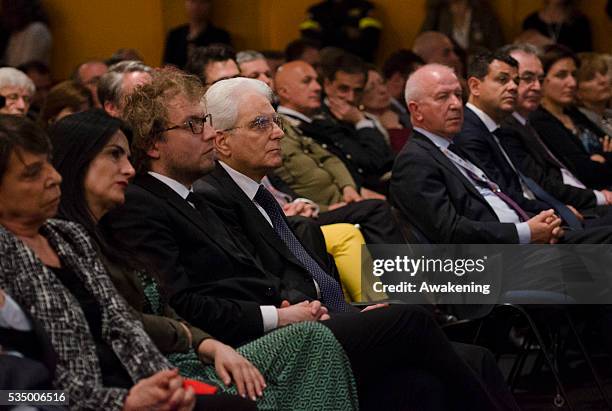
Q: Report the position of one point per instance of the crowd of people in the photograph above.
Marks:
(190, 236)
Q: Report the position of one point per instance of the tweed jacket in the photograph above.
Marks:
(39, 292)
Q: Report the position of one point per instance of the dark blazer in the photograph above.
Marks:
(365, 151)
(211, 278)
(240, 214)
(533, 160)
(476, 144)
(568, 148)
(435, 197)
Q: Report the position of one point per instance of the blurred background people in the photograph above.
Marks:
(563, 24)
(68, 97)
(199, 32)
(40, 74)
(88, 74)
(595, 90)
(30, 38)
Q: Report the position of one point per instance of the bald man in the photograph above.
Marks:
(313, 172)
(362, 149)
(446, 198)
(436, 47)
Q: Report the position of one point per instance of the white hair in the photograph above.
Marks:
(223, 97)
(11, 77)
(248, 55)
(414, 85)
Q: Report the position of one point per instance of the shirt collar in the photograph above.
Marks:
(292, 113)
(173, 184)
(441, 142)
(246, 184)
(520, 118)
(484, 117)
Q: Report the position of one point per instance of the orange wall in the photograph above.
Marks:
(96, 28)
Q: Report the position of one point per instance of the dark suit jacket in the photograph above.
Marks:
(476, 144)
(568, 148)
(364, 151)
(242, 216)
(533, 160)
(212, 280)
(435, 197)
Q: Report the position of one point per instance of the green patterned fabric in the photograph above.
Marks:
(304, 366)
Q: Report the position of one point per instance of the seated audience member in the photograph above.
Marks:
(88, 74)
(444, 195)
(68, 97)
(91, 153)
(339, 126)
(493, 83)
(105, 360)
(304, 49)
(119, 82)
(525, 147)
(595, 90)
(274, 58)
(436, 47)
(377, 104)
(198, 32)
(253, 64)
(219, 280)
(570, 137)
(40, 74)
(213, 63)
(396, 69)
(17, 89)
(310, 171)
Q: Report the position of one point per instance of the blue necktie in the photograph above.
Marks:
(331, 292)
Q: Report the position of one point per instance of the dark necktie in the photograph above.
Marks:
(481, 179)
(564, 212)
(331, 292)
(195, 199)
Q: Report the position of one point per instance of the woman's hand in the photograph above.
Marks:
(162, 391)
(232, 366)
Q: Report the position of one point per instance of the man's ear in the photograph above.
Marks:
(222, 143)
(153, 152)
(111, 109)
(415, 111)
(474, 86)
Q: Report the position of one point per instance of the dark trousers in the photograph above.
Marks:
(389, 344)
(373, 216)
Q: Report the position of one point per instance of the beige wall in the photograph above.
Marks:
(85, 29)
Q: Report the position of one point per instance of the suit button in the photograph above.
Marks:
(305, 151)
(348, 156)
(320, 164)
(360, 170)
(269, 292)
(324, 145)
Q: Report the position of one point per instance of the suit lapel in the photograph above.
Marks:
(266, 232)
(435, 152)
(199, 218)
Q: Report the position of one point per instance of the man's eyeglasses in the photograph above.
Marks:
(195, 124)
(529, 78)
(262, 123)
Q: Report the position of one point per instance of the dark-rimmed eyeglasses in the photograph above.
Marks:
(194, 124)
(262, 123)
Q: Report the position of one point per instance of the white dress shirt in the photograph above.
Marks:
(504, 213)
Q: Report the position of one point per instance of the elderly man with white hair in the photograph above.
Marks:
(247, 145)
(17, 90)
